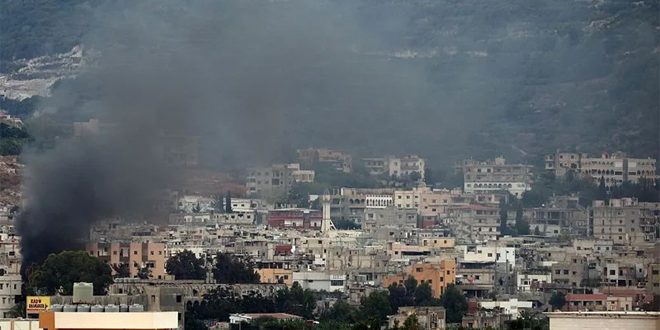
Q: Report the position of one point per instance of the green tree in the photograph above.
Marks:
(410, 284)
(296, 301)
(557, 300)
(231, 270)
(59, 271)
(121, 270)
(376, 305)
(411, 323)
(398, 296)
(341, 311)
(454, 303)
(424, 295)
(522, 226)
(186, 266)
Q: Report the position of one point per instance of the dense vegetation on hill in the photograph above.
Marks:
(12, 139)
(524, 77)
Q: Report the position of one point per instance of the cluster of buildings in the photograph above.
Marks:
(614, 169)
(603, 257)
(278, 179)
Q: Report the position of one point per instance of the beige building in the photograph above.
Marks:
(496, 175)
(137, 255)
(428, 318)
(395, 166)
(626, 221)
(474, 223)
(337, 159)
(614, 168)
(110, 320)
(276, 179)
(437, 275)
(276, 275)
(604, 320)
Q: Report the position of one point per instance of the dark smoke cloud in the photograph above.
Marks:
(249, 78)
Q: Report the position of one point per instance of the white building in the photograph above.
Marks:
(195, 203)
(496, 175)
(320, 281)
(278, 178)
(395, 166)
(511, 307)
(10, 287)
(497, 254)
(528, 282)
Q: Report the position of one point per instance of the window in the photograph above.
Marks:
(178, 298)
(336, 282)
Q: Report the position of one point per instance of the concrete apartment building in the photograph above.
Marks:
(276, 179)
(375, 218)
(437, 275)
(295, 218)
(320, 281)
(352, 203)
(397, 167)
(615, 168)
(10, 290)
(474, 223)
(428, 318)
(137, 255)
(626, 221)
(496, 175)
(339, 160)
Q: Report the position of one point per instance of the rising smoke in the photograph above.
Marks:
(249, 78)
(255, 79)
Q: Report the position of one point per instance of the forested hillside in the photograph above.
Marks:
(528, 77)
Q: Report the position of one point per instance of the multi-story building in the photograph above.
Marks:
(397, 167)
(474, 223)
(496, 175)
(339, 160)
(390, 216)
(437, 275)
(276, 179)
(428, 318)
(295, 218)
(352, 203)
(571, 271)
(10, 290)
(626, 221)
(614, 168)
(138, 256)
(320, 281)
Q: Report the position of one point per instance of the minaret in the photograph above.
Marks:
(326, 223)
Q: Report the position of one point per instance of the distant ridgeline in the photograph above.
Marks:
(535, 76)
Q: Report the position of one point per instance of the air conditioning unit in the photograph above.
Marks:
(83, 293)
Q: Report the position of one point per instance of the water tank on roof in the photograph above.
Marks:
(69, 308)
(96, 309)
(83, 308)
(111, 308)
(56, 307)
(136, 308)
(123, 308)
(83, 292)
